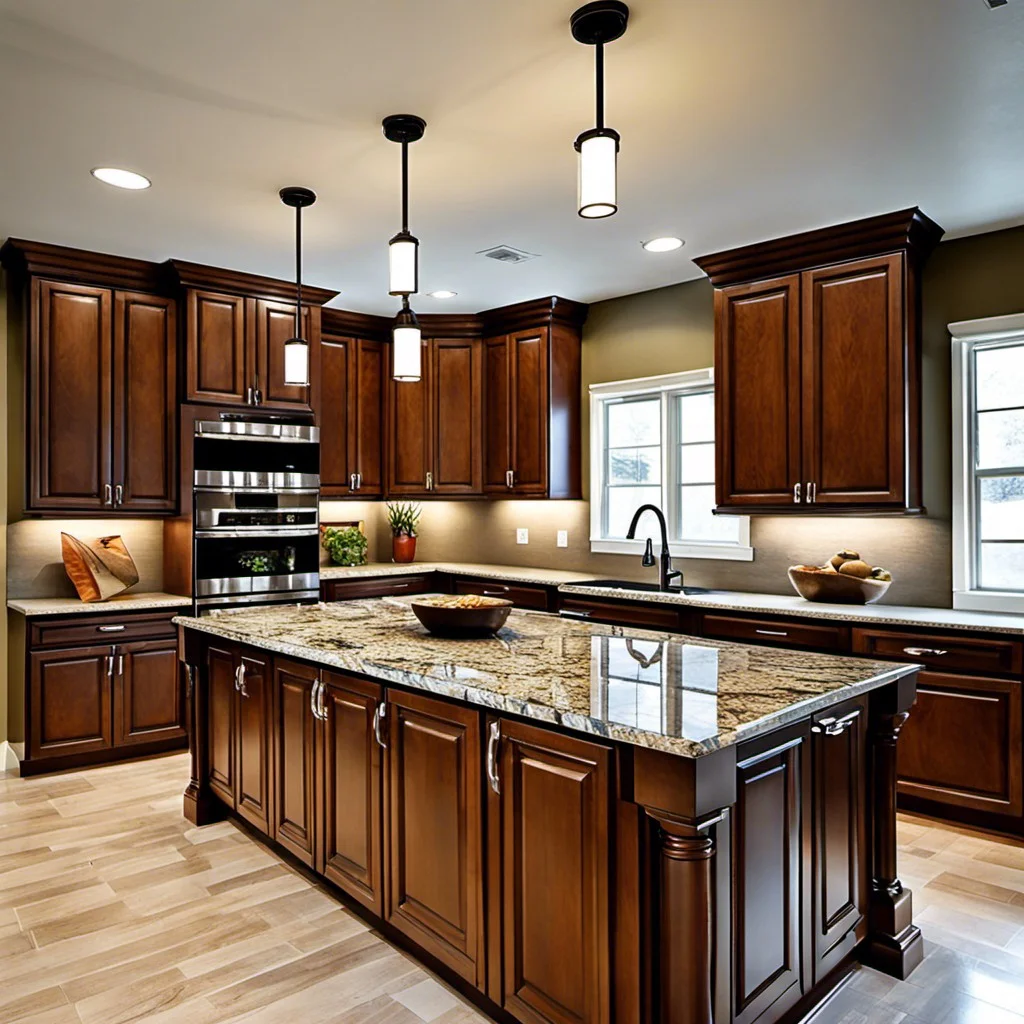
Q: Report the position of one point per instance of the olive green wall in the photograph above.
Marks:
(3, 516)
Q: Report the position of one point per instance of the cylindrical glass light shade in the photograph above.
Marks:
(403, 264)
(406, 337)
(598, 150)
(296, 362)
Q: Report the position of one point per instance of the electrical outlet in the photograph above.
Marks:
(562, 538)
(522, 535)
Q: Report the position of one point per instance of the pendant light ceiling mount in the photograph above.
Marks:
(595, 24)
(404, 128)
(296, 349)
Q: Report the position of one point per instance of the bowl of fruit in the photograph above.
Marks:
(844, 579)
(463, 617)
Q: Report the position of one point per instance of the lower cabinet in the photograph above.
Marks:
(70, 702)
(149, 701)
(294, 719)
(434, 891)
(551, 795)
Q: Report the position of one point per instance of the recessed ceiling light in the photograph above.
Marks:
(666, 244)
(120, 178)
(442, 293)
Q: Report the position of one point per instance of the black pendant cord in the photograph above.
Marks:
(298, 271)
(599, 64)
(405, 188)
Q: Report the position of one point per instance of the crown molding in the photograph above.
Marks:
(182, 274)
(23, 258)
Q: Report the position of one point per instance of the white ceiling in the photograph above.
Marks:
(740, 120)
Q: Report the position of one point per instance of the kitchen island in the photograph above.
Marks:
(573, 821)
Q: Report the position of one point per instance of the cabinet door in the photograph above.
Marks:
(293, 758)
(497, 428)
(335, 388)
(352, 824)
(370, 373)
(528, 354)
(555, 852)
(149, 699)
(757, 393)
(69, 420)
(854, 431)
(435, 882)
(961, 745)
(275, 324)
(215, 346)
(221, 682)
(253, 794)
(838, 751)
(456, 379)
(145, 403)
(767, 841)
(410, 457)
(69, 706)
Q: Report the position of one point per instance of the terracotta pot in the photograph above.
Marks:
(403, 548)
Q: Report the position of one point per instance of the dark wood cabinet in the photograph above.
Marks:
(387, 586)
(435, 435)
(294, 719)
(351, 826)
(646, 616)
(777, 632)
(222, 721)
(275, 324)
(839, 827)
(350, 411)
(102, 400)
(219, 364)
(149, 699)
(553, 801)
(435, 877)
(522, 595)
(99, 688)
(817, 362)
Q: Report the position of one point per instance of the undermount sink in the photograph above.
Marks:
(633, 585)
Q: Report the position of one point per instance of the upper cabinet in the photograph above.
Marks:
(101, 395)
(817, 367)
(235, 329)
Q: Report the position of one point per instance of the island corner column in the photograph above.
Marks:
(198, 804)
(894, 943)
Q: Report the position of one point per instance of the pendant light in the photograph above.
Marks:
(403, 257)
(296, 349)
(594, 25)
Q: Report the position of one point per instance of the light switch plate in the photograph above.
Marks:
(562, 538)
(522, 535)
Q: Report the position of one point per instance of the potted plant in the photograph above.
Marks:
(402, 519)
(346, 545)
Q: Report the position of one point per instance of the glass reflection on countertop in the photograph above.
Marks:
(658, 686)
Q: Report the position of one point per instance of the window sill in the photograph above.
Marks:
(988, 601)
(678, 549)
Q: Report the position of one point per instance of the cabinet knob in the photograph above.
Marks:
(796, 493)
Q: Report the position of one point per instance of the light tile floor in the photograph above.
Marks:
(113, 910)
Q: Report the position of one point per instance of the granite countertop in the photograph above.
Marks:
(508, 573)
(73, 606)
(678, 694)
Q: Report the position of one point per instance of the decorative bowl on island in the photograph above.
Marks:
(466, 617)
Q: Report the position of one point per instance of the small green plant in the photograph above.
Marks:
(346, 546)
(402, 518)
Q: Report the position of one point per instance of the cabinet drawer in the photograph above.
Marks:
(643, 615)
(385, 586)
(522, 596)
(776, 631)
(945, 653)
(94, 628)
(961, 745)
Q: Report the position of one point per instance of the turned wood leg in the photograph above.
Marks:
(894, 942)
(683, 990)
(199, 806)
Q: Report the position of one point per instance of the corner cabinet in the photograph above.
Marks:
(817, 363)
(102, 400)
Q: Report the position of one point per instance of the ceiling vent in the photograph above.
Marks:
(996, 3)
(506, 254)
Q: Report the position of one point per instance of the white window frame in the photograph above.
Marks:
(669, 383)
(966, 335)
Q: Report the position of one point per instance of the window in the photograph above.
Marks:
(653, 442)
(988, 464)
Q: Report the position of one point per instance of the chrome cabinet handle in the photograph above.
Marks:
(312, 698)
(110, 665)
(378, 718)
(492, 757)
(257, 395)
(118, 494)
(509, 478)
(111, 629)
(771, 632)
(320, 707)
(359, 481)
(495, 593)
(570, 614)
(238, 678)
(796, 494)
(812, 492)
(241, 681)
(351, 481)
(248, 396)
(120, 664)
(924, 652)
(430, 480)
(108, 495)
(835, 726)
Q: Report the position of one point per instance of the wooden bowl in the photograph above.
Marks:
(836, 587)
(463, 623)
